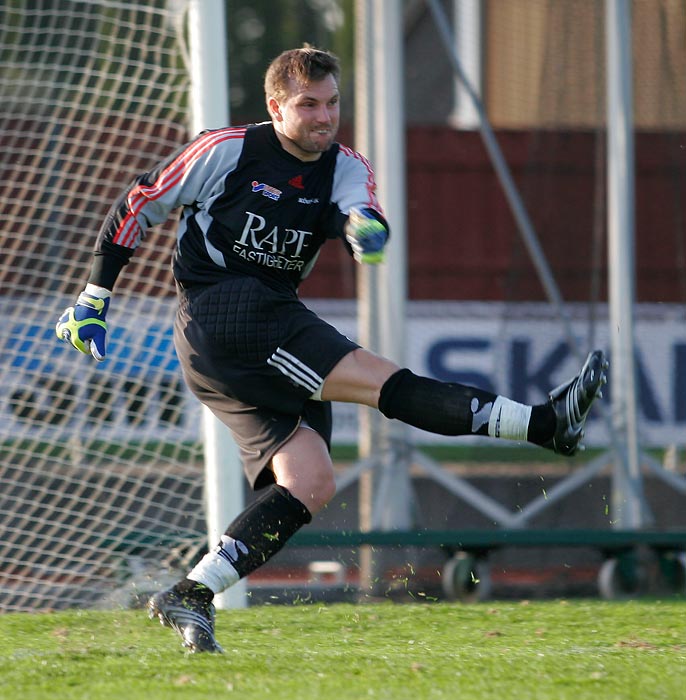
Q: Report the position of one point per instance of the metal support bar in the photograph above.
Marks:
(562, 489)
(355, 471)
(462, 488)
(628, 488)
(628, 510)
(510, 189)
(632, 485)
(676, 481)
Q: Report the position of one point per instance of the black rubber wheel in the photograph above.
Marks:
(466, 578)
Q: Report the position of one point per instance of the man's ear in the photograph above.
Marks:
(274, 109)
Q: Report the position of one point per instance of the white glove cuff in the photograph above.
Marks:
(99, 292)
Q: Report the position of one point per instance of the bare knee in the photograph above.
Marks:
(358, 378)
(315, 491)
(303, 466)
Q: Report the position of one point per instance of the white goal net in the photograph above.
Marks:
(101, 465)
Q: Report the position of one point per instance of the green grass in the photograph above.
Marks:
(554, 650)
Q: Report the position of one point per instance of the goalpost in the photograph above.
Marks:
(210, 110)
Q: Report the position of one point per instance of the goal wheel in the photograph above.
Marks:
(466, 578)
(620, 577)
(672, 567)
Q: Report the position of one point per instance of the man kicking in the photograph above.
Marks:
(257, 203)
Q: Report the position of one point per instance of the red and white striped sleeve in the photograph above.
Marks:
(354, 184)
(186, 178)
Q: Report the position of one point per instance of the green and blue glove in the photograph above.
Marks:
(367, 236)
(83, 325)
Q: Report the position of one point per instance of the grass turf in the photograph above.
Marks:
(556, 650)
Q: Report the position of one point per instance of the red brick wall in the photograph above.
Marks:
(463, 240)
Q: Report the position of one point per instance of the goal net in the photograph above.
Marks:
(101, 464)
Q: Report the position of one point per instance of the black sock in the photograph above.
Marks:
(439, 407)
(197, 590)
(542, 424)
(452, 409)
(265, 526)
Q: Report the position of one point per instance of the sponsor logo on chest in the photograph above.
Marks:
(270, 245)
(275, 194)
(266, 190)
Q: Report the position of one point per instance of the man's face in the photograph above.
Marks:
(307, 120)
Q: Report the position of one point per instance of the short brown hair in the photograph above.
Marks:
(303, 65)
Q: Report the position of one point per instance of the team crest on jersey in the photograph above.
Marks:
(267, 190)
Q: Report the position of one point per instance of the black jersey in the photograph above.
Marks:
(248, 207)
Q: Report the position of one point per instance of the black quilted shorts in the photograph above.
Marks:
(254, 356)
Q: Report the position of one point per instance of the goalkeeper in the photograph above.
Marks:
(257, 203)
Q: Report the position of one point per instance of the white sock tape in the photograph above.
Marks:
(509, 420)
(214, 570)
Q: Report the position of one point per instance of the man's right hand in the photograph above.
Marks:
(83, 325)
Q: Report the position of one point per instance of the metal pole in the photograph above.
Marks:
(389, 154)
(468, 20)
(209, 100)
(502, 170)
(367, 281)
(626, 501)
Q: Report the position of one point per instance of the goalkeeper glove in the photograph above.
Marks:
(83, 325)
(367, 236)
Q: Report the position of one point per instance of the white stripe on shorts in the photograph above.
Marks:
(295, 370)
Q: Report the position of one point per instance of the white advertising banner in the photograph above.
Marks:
(518, 350)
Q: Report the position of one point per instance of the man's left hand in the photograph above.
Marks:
(367, 237)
